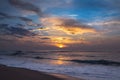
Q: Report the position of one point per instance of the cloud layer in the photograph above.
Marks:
(5, 29)
(20, 4)
(70, 24)
(67, 25)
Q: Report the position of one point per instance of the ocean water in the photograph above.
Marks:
(86, 65)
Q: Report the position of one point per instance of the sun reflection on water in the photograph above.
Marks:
(60, 60)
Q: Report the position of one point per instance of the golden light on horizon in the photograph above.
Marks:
(59, 45)
(63, 42)
(60, 42)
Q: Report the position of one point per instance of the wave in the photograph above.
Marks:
(102, 62)
(97, 62)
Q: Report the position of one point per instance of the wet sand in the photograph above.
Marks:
(12, 73)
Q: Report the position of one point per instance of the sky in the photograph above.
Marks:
(80, 25)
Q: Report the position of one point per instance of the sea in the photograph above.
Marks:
(86, 65)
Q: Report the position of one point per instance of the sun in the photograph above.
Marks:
(60, 45)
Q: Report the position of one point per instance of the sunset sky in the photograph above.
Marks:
(83, 25)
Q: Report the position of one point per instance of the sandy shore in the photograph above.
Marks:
(12, 73)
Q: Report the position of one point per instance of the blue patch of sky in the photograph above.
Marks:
(83, 14)
(35, 18)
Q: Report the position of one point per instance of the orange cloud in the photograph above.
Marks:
(67, 25)
(75, 30)
(63, 31)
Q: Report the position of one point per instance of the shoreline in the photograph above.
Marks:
(14, 73)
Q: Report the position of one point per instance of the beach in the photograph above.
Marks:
(13, 73)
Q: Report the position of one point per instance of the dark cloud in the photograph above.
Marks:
(28, 21)
(9, 17)
(26, 6)
(45, 38)
(69, 22)
(20, 25)
(5, 29)
(25, 19)
(4, 15)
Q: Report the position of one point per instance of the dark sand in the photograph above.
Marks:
(12, 73)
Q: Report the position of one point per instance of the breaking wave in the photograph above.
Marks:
(97, 62)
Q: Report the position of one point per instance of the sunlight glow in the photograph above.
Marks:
(60, 42)
(60, 45)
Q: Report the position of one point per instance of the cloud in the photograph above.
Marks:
(45, 38)
(20, 4)
(25, 19)
(59, 24)
(63, 31)
(67, 25)
(4, 15)
(28, 21)
(108, 26)
(5, 29)
(105, 23)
